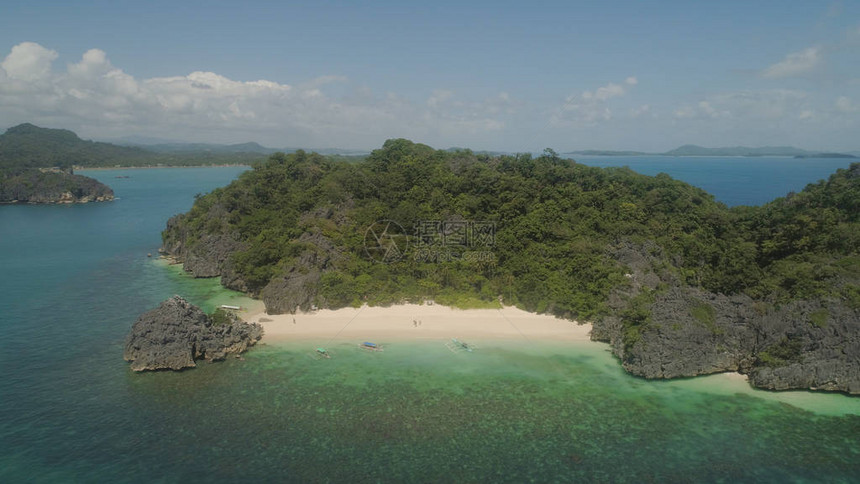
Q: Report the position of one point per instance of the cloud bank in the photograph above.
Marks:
(102, 99)
(99, 100)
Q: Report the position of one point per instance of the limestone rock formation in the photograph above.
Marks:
(176, 334)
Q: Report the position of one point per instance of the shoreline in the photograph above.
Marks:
(419, 323)
(414, 322)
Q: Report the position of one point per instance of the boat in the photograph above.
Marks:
(457, 346)
(320, 354)
(234, 308)
(367, 345)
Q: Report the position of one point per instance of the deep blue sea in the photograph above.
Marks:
(732, 180)
(74, 279)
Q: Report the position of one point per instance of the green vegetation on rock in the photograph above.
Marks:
(705, 314)
(819, 318)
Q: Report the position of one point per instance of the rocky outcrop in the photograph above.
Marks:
(297, 288)
(206, 256)
(693, 332)
(690, 332)
(209, 255)
(176, 334)
(809, 345)
(35, 186)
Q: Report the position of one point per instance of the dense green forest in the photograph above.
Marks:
(36, 186)
(27, 146)
(556, 223)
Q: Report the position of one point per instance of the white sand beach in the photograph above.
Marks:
(417, 322)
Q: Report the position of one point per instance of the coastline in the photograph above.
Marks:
(414, 322)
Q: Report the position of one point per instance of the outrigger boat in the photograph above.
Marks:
(457, 346)
(320, 354)
(370, 346)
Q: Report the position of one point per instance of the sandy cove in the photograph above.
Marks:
(417, 322)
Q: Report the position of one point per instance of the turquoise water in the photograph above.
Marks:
(76, 277)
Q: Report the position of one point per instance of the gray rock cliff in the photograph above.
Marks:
(693, 332)
(176, 334)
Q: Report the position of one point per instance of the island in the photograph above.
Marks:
(678, 284)
(37, 164)
(51, 186)
(827, 155)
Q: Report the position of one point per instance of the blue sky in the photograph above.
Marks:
(499, 75)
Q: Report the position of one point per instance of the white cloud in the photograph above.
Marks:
(605, 93)
(845, 105)
(28, 61)
(591, 107)
(773, 104)
(794, 64)
(95, 96)
(439, 96)
(640, 111)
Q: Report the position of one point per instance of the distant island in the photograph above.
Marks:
(37, 164)
(36, 167)
(827, 155)
(677, 283)
(51, 186)
(693, 150)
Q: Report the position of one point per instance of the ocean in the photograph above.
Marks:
(75, 278)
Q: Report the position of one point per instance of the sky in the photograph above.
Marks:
(487, 75)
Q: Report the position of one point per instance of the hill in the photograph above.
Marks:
(676, 282)
(207, 147)
(37, 186)
(28, 146)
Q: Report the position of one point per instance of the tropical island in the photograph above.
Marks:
(37, 164)
(677, 283)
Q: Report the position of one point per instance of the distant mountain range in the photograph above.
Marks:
(693, 150)
(31, 146)
(27, 146)
(170, 146)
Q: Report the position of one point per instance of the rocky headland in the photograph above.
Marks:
(802, 344)
(45, 186)
(176, 334)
